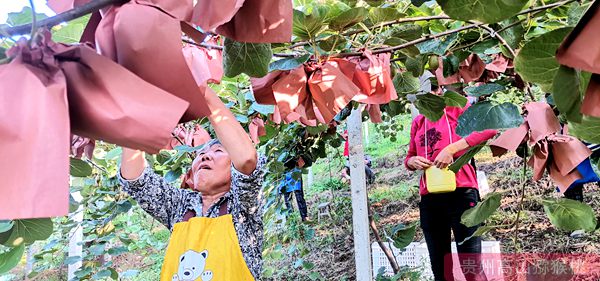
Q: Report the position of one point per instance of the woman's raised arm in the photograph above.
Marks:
(132, 163)
(231, 134)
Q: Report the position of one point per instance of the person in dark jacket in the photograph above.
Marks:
(292, 184)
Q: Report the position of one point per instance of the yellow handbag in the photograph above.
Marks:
(439, 180)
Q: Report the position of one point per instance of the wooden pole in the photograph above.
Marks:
(360, 215)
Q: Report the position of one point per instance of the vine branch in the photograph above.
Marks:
(388, 253)
(219, 47)
(33, 21)
(72, 14)
(413, 42)
(497, 35)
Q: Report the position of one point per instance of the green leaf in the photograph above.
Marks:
(454, 99)
(437, 46)
(405, 83)
(288, 63)
(416, 65)
(536, 62)
(379, 15)
(102, 274)
(172, 176)
(306, 27)
(410, 51)
(5, 225)
(73, 204)
(11, 258)
(29, 230)
(2, 53)
(23, 17)
(486, 11)
(79, 168)
(113, 154)
(71, 32)
(465, 158)
(97, 249)
(72, 260)
(575, 12)
(249, 58)
(308, 265)
(82, 272)
(513, 35)
(309, 234)
(348, 18)
(482, 211)
(123, 206)
(486, 115)
(331, 42)
(451, 64)
(483, 47)
(408, 32)
(484, 90)
(588, 130)
(431, 106)
(570, 215)
(117, 250)
(113, 273)
(263, 109)
(315, 275)
(567, 92)
(479, 232)
(403, 235)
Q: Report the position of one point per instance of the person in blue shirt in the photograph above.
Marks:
(292, 183)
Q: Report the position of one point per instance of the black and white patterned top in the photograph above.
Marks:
(168, 205)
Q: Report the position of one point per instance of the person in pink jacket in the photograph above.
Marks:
(437, 144)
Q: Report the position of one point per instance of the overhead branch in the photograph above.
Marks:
(33, 20)
(219, 47)
(495, 34)
(398, 21)
(411, 43)
(72, 14)
(546, 7)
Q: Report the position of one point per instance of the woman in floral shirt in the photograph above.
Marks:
(225, 203)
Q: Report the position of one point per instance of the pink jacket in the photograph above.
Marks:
(438, 138)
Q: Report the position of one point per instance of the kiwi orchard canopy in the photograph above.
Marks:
(332, 57)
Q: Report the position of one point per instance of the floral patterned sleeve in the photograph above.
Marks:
(246, 210)
(157, 197)
(245, 190)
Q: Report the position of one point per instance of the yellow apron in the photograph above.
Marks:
(205, 249)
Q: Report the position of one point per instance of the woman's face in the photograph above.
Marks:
(212, 170)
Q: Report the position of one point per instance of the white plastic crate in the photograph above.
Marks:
(415, 255)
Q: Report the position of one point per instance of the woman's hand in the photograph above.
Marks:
(444, 158)
(419, 163)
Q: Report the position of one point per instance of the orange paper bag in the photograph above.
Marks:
(35, 138)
